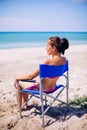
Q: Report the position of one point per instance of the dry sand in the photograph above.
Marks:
(20, 61)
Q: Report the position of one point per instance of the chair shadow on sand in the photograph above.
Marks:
(57, 113)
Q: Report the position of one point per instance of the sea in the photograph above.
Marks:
(38, 39)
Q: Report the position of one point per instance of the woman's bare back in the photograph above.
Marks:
(49, 83)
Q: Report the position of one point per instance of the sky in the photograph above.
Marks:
(43, 15)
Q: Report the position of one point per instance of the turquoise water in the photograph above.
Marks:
(37, 39)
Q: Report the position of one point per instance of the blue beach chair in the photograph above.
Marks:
(48, 71)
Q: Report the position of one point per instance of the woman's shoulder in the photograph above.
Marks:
(46, 61)
(59, 61)
(62, 61)
(55, 61)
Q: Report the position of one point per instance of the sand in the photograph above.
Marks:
(14, 62)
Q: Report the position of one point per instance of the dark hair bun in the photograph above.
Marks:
(64, 44)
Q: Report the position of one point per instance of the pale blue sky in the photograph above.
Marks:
(43, 15)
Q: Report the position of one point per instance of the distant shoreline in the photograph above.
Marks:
(27, 47)
(38, 39)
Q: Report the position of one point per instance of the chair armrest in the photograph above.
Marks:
(29, 80)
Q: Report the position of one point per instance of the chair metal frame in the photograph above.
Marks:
(47, 71)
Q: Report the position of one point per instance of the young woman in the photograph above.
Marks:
(55, 47)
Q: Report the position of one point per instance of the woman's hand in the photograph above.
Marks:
(16, 83)
(25, 77)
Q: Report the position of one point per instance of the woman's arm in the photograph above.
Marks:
(34, 74)
(31, 76)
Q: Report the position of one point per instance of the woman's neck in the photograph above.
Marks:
(56, 55)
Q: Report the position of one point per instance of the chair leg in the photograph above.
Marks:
(42, 107)
(19, 101)
(67, 90)
(67, 100)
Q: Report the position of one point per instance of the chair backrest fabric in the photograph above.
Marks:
(52, 71)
